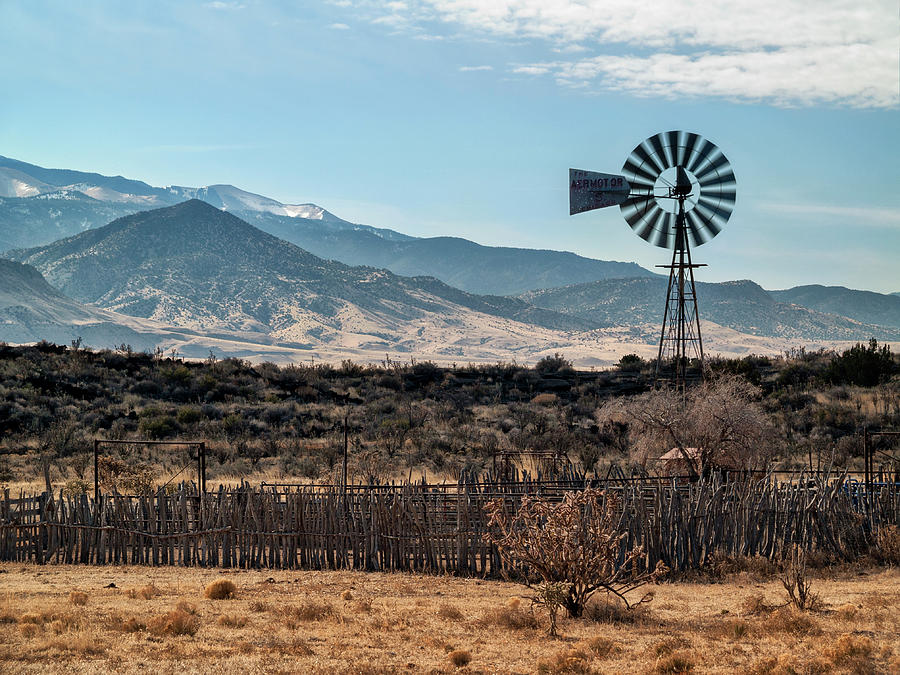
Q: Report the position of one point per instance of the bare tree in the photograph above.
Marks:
(722, 418)
(575, 542)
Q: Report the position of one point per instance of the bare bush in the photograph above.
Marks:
(575, 542)
(796, 582)
(722, 418)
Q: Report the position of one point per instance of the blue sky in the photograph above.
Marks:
(461, 117)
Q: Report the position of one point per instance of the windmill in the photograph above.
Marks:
(676, 190)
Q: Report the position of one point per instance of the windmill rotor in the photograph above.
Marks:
(671, 165)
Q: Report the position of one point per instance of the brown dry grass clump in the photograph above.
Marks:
(566, 661)
(220, 590)
(681, 661)
(347, 596)
(460, 657)
(176, 622)
(450, 612)
(79, 598)
(853, 652)
(147, 592)
(310, 610)
(232, 621)
(509, 617)
(602, 647)
(793, 621)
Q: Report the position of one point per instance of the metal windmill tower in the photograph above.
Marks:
(676, 190)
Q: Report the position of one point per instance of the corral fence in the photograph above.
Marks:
(439, 528)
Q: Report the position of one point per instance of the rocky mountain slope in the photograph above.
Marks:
(195, 266)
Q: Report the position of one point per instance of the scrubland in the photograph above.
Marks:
(262, 422)
(139, 619)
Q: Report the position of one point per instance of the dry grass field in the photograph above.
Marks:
(72, 619)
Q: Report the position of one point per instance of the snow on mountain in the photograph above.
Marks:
(231, 198)
(14, 183)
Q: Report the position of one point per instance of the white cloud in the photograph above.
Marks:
(219, 4)
(535, 69)
(784, 52)
(878, 216)
(472, 69)
(339, 26)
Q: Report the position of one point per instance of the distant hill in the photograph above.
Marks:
(864, 306)
(741, 305)
(31, 310)
(39, 205)
(195, 266)
(496, 270)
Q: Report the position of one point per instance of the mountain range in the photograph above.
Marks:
(190, 265)
(38, 206)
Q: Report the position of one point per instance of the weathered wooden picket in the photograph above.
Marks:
(433, 528)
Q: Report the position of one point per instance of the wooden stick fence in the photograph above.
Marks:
(434, 528)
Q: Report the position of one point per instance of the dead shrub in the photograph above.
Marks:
(450, 612)
(677, 662)
(65, 623)
(796, 582)
(670, 645)
(575, 542)
(176, 622)
(311, 611)
(887, 545)
(853, 652)
(7, 612)
(232, 621)
(736, 629)
(758, 567)
(223, 589)
(28, 630)
(363, 606)
(602, 647)
(790, 620)
(847, 612)
(566, 661)
(186, 607)
(144, 592)
(603, 611)
(130, 624)
(84, 645)
(459, 657)
(259, 606)
(79, 598)
(784, 664)
(755, 605)
(509, 617)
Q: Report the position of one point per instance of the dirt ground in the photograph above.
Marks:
(86, 619)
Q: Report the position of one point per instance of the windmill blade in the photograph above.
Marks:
(703, 154)
(720, 162)
(695, 228)
(649, 224)
(688, 151)
(704, 225)
(676, 152)
(656, 142)
(723, 179)
(640, 153)
(634, 214)
(728, 196)
(634, 172)
(664, 233)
